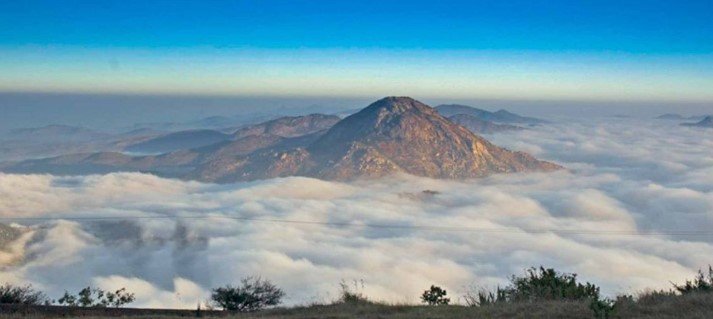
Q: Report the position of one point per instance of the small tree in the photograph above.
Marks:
(701, 283)
(252, 294)
(435, 296)
(94, 297)
(117, 298)
(26, 295)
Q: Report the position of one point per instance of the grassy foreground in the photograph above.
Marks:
(698, 305)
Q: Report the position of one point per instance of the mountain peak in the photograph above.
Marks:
(397, 104)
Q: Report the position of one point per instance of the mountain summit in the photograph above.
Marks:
(392, 135)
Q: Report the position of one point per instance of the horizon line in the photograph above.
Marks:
(208, 95)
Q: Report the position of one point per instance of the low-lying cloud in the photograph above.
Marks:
(623, 216)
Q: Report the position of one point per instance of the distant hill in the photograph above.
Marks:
(56, 132)
(679, 117)
(392, 135)
(479, 126)
(705, 122)
(290, 126)
(52, 140)
(178, 141)
(501, 116)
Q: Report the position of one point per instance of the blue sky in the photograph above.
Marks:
(558, 49)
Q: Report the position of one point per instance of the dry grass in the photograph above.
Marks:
(657, 306)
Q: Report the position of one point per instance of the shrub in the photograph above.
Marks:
(482, 297)
(252, 294)
(94, 297)
(701, 283)
(603, 308)
(547, 284)
(435, 296)
(540, 284)
(26, 295)
(352, 294)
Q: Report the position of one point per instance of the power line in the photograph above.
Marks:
(435, 228)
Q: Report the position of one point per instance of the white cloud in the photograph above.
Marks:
(638, 180)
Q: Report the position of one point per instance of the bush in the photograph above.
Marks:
(435, 296)
(547, 284)
(26, 295)
(540, 284)
(701, 283)
(482, 297)
(252, 294)
(352, 294)
(93, 297)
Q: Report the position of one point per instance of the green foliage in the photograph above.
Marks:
(252, 294)
(602, 309)
(26, 295)
(540, 285)
(435, 296)
(94, 297)
(701, 284)
(547, 284)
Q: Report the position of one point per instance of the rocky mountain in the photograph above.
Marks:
(392, 135)
(705, 122)
(501, 116)
(479, 126)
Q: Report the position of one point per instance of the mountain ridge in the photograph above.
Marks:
(706, 122)
(391, 135)
(500, 116)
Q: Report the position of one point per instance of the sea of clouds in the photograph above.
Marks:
(633, 211)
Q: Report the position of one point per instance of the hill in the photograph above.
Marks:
(705, 122)
(479, 126)
(290, 126)
(501, 116)
(178, 141)
(679, 117)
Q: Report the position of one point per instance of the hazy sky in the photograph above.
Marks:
(524, 49)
